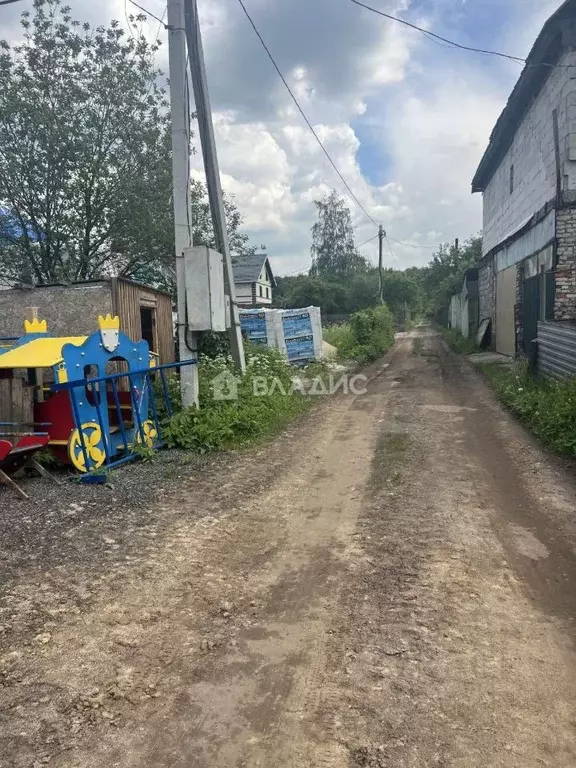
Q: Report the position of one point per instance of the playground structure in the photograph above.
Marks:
(92, 396)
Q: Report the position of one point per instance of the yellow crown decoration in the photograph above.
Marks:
(35, 326)
(109, 323)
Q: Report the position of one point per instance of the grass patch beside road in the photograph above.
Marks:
(368, 335)
(457, 342)
(238, 410)
(547, 407)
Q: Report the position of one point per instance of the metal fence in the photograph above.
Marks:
(557, 349)
(130, 436)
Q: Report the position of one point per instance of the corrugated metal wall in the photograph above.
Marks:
(128, 298)
(557, 349)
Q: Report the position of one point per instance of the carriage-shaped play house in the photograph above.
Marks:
(92, 394)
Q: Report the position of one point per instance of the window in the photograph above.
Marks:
(261, 292)
(512, 178)
(267, 292)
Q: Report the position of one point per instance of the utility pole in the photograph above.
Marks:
(381, 236)
(208, 142)
(187, 340)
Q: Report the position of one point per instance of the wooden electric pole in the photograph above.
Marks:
(381, 235)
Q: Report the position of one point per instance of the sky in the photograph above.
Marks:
(405, 120)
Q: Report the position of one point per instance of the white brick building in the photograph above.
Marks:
(528, 179)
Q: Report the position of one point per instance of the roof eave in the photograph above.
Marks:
(547, 49)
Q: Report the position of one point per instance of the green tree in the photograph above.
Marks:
(444, 274)
(85, 156)
(334, 253)
(83, 121)
(401, 291)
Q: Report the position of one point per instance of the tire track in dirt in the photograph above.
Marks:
(451, 660)
(211, 643)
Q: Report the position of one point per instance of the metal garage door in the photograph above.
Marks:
(505, 299)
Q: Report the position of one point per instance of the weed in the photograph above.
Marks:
(368, 335)
(224, 424)
(547, 407)
(457, 342)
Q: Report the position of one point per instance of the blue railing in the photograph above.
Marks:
(91, 385)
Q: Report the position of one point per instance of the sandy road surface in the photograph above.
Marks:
(391, 583)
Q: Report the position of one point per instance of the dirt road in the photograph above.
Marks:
(391, 583)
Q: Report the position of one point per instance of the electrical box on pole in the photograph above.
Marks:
(205, 297)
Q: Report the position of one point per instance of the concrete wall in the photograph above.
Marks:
(69, 310)
(565, 298)
(533, 155)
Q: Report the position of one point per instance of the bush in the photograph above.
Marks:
(368, 335)
(224, 424)
(547, 407)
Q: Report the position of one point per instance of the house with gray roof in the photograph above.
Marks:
(254, 280)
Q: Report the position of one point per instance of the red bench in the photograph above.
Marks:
(16, 457)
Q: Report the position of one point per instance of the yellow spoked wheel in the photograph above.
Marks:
(150, 434)
(94, 447)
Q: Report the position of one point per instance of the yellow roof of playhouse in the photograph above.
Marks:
(39, 353)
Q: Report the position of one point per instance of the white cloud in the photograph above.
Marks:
(418, 116)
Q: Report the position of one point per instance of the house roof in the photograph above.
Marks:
(556, 36)
(38, 353)
(98, 281)
(247, 268)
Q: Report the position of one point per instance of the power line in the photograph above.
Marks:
(438, 37)
(368, 241)
(413, 245)
(8, 2)
(149, 13)
(453, 44)
(161, 24)
(308, 123)
(390, 248)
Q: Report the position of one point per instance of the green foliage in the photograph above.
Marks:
(47, 459)
(144, 452)
(223, 424)
(214, 344)
(85, 155)
(334, 254)
(342, 337)
(358, 291)
(445, 274)
(547, 407)
(368, 335)
(83, 122)
(457, 342)
(173, 387)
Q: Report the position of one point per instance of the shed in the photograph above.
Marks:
(73, 309)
